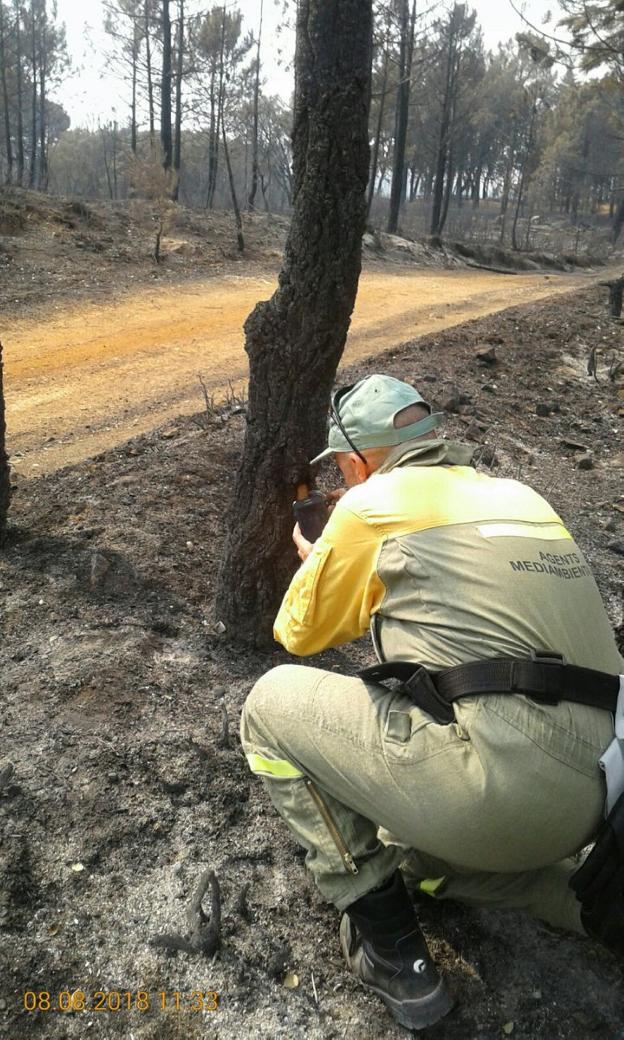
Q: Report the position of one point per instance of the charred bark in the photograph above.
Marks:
(20, 92)
(150, 82)
(380, 114)
(5, 101)
(165, 90)
(240, 241)
(34, 79)
(177, 147)
(43, 127)
(397, 193)
(251, 201)
(295, 340)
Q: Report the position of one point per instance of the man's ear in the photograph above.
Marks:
(360, 468)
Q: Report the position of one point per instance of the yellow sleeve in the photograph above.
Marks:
(333, 594)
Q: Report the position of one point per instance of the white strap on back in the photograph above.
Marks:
(612, 762)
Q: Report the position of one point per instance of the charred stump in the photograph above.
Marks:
(616, 295)
(295, 340)
(616, 292)
(5, 470)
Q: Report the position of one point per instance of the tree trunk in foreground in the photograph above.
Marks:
(5, 482)
(295, 339)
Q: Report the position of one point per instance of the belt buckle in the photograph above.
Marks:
(547, 657)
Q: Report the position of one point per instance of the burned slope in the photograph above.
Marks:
(120, 707)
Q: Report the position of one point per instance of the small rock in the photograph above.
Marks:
(616, 547)
(429, 379)
(489, 388)
(456, 403)
(487, 456)
(542, 410)
(585, 462)
(100, 567)
(473, 432)
(611, 526)
(565, 442)
(486, 356)
(167, 435)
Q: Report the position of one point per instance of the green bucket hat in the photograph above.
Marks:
(363, 416)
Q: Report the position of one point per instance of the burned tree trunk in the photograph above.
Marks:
(240, 240)
(616, 295)
(251, 201)
(295, 339)
(166, 139)
(5, 481)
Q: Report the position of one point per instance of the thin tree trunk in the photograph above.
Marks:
(220, 104)
(133, 104)
(618, 222)
(115, 159)
(254, 143)
(380, 115)
(265, 194)
(5, 471)
(525, 162)
(20, 101)
(165, 88)
(400, 123)
(177, 150)
(43, 144)
(106, 166)
(213, 139)
(150, 83)
(34, 77)
(295, 339)
(448, 191)
(216, 103)
(237, 214)
(5, 101)
(443, 142)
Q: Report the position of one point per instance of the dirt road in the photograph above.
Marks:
(90, 377)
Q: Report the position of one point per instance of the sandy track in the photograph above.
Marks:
(87, 378)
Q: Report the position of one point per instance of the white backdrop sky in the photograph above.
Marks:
(93, 92)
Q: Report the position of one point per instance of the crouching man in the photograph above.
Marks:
(480, 785)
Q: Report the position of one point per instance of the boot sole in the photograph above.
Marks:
(418, 1014)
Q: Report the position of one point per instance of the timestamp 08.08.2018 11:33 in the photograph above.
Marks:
(66, 1001)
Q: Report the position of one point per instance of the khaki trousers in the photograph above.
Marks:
(484, 810)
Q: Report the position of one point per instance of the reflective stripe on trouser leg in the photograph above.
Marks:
(543, 893)
(273, 768)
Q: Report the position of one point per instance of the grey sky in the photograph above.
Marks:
(93, 91)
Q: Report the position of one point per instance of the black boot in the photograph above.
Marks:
(599, 884)
(384, 946)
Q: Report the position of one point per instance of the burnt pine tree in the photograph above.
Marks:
(295, 340)
(406, 57)
(165, 89)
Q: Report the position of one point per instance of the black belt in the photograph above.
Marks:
(545, 677)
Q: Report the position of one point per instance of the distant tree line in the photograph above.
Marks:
(463, 140)
(33, 57)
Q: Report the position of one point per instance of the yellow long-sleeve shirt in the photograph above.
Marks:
(451, 565)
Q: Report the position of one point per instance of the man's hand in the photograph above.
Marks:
(304, 547)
